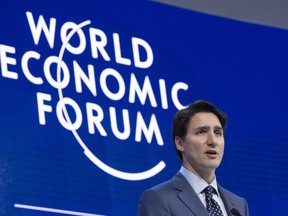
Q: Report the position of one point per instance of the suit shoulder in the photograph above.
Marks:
(160, 188)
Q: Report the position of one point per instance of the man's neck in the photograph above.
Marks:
(207, 175)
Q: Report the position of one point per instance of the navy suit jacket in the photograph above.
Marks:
(176, 197)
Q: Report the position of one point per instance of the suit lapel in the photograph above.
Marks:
(227, 200)
(188, 196)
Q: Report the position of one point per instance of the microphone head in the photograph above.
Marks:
(235, 212)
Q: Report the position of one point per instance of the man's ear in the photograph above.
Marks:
(179, 143)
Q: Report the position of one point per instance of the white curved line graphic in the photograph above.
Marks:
(116, 173)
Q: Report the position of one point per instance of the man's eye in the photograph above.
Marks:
(218, 132)
(200, 132)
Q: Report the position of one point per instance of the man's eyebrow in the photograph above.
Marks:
(207, 127)
(202, 127)
(218, 128)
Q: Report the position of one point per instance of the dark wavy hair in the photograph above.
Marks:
(182, 118)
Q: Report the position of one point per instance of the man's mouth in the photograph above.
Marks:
(211, 152)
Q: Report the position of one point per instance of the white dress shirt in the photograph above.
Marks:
(198, 184)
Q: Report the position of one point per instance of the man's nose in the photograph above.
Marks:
(211, 139)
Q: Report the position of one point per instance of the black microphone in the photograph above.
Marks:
(235, 212)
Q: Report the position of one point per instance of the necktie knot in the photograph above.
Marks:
(209, 191)
(212, 206)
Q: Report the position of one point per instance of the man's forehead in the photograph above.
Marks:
(205, 119)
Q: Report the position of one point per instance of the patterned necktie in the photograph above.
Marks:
(212, 206)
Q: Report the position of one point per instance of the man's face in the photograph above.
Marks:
(203, 146)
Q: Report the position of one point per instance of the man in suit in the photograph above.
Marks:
(198, 135)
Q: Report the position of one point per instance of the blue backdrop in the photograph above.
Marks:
(88, 135)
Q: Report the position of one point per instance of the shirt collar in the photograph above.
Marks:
(196, 182)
